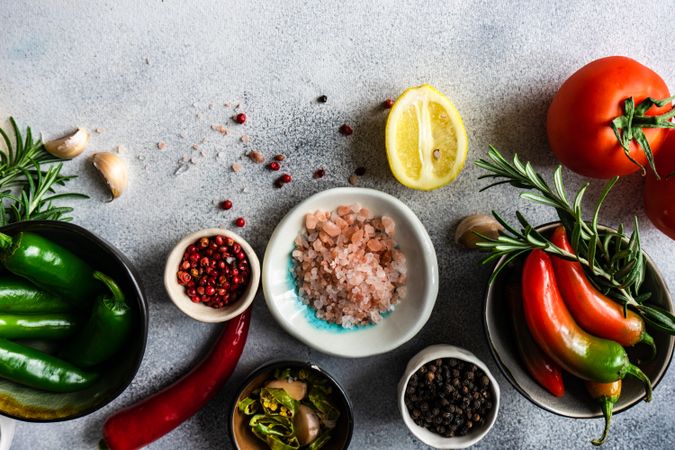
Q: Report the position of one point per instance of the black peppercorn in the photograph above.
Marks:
(449, 397)
(322, 99)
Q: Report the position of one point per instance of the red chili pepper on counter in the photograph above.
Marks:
(594, 311)
(151, 418)
(554, 329)
(539, 365)
(607, 394)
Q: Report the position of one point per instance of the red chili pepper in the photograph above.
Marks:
(594, 311)
(554, 329)
(607, 394)
(151, 418)
(539, 365)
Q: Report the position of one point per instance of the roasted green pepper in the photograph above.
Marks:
(37, 326)
(30, 367)
(48, 265)
(106, 331)
(17, 295)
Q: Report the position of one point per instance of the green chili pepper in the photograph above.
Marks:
(30, 367)
(607, 395)
(106, 331)
(48, 265)
(42, 326)
(20, 296)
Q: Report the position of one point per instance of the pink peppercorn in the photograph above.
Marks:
(274, 166)
(346, 129)
(388, 103)
(240, 118)
(227, 204)
(240, 222)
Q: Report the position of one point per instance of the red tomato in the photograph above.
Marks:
(580, 116)
(659, 195)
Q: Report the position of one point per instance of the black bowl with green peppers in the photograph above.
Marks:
(92, 317)
(291, 405)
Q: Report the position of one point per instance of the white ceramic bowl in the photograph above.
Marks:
(199, 311)
(428, 437)
(397, 327)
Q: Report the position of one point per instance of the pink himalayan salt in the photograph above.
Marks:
(347, 265)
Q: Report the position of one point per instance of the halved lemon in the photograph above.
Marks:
(426, 139)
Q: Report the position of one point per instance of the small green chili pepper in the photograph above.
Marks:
(48, 265)
(30, 367)
(20, 296)
(106, 331)
(42, 326)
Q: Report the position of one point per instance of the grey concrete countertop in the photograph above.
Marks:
(145, 72)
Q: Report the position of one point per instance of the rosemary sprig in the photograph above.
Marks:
(26, 189)
(612, 259)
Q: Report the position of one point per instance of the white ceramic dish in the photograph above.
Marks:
(397, 327)
(198, 311)
(434, 440)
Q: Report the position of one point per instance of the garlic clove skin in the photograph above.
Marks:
(476, 223)
(70, 145)
(114, 170)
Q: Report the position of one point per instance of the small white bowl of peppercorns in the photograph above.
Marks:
(212, 275)
(448, 398)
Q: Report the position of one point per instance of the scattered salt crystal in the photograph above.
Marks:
(256, 156)
(121, 149)
(195, 146)
(245, 138)
(220, 129)
(161, 145)
(236, 167)
(99, 130)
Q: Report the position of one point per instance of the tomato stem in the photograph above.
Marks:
(628, 127)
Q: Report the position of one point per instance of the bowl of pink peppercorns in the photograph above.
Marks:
(212, 275)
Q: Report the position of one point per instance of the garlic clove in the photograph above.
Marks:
(297, 390)
(114, 170)
(70, 145)
(465, 234)
(307, 425)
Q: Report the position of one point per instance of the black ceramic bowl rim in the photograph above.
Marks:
(283, 364)
(139, 292)
(505, 371)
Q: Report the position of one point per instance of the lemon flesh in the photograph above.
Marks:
(425, 138)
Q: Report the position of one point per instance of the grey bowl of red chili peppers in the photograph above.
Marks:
(72, 321)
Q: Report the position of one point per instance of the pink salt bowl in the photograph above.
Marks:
(397, 326)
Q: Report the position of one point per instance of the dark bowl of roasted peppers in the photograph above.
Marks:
(73, 321)
(291, 405)
(570, 338)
